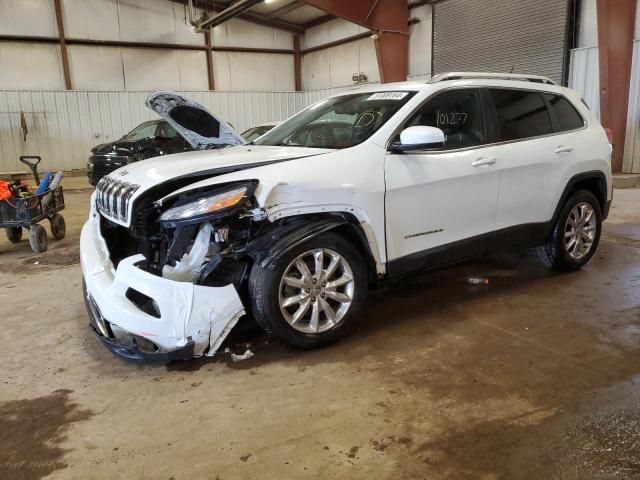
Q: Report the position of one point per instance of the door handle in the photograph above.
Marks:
(483, 162)
(563, 149)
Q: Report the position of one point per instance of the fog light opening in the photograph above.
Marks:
(147, 304)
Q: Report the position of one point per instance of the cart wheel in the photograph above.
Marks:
(14, 234)
(38, 238)
(58, 227)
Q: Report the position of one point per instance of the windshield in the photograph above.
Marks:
(142, 131)
(337, 122)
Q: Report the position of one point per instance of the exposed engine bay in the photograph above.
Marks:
(207, 251)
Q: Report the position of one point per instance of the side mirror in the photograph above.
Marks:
(419, 138)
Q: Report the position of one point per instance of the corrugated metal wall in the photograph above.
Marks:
(584, 76)
(63, 126)
(494, 35)
(631, 162)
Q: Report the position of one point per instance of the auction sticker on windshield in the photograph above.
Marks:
(388, 96)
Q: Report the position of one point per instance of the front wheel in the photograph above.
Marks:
(312, 296)
(38, 238)
(576, 233)
(14, 234)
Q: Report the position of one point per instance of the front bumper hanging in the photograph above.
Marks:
(180, 320)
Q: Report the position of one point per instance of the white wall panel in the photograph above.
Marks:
(30, 66)
(96, 68)
(584, 76)
(344, 61)
(420, 35)
(334, 67)
(588, 30)
(631, 162)
(239, 33)
(253, 71)
(28, 17)
(146, 21)
(129, 20)
(285, 78)
(91, 19)
(637, 34)
(368, 60)
(315, 70)
(192, 69)
(147, 69)
(64, 125)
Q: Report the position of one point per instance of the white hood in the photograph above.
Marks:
(158, 170)
(197, 125)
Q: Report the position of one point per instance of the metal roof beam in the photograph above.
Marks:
(228, 13)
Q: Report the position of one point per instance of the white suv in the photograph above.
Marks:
(366, 185)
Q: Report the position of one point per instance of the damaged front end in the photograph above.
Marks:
(169, 286)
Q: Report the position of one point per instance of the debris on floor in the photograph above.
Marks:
(477, 281)
(244, 356)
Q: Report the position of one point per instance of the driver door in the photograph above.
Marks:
(440, 205)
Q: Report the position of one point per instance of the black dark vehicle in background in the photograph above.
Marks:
(168, 135)
(147, 140)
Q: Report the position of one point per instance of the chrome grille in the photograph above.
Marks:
(113, 197)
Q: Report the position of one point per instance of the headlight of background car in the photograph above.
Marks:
(205, 205)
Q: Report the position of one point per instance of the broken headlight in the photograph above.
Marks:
(207, 204)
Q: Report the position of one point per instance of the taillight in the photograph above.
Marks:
(609, 133)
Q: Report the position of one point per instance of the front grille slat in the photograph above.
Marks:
(113, 197)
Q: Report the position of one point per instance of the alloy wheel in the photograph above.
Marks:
(580, 230)
(316, 291)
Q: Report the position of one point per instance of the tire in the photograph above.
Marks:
(268, 291)
(58, 226)
(14, 234)
(38, 238)
(565, 255)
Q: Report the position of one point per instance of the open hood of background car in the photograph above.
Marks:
(195, 123)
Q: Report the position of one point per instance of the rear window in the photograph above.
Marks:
(521, 114)
(564, 113)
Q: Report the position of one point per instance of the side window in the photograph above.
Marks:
(165, 130)
(521, 114)
(565, 115)
(458, 113)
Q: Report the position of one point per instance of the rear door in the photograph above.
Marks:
(531, 157)
(438, 200)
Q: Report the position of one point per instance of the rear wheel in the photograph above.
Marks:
(312, 296)
(58, 226)
(14, 234)
(576, 233)
(38, 238)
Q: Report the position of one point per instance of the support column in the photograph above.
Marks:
(616, 22)
(297, 62)
(388, 19)
(63, 45)
(209, 52)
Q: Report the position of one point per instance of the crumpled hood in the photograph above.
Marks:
(158, 170)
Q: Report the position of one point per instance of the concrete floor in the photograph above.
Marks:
(534, 376)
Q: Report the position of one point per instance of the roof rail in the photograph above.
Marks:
(441, 77)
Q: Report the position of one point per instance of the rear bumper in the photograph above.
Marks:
(181, 320)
